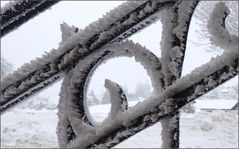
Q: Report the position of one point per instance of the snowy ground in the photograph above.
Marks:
(36, 129)
(28, 128)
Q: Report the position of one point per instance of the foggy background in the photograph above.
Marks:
(206, 123)
(42, 33)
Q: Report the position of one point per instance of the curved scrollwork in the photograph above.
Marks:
(80, 76)
(119, 24)
(82, 51)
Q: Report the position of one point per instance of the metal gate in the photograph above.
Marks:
(82, 51)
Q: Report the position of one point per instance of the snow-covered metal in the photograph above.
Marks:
(81, 51)
(79, 45)
(17, 12)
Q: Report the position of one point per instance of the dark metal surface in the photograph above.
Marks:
(24, 11)
(40, 73)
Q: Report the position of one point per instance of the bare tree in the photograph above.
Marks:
(142, 90)
(92, 100)
(6, 67)
(202, 13)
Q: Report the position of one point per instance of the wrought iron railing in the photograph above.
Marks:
(82, 51)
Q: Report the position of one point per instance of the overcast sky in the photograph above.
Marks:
(42, 33)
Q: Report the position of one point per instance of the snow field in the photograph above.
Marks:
(37, 129)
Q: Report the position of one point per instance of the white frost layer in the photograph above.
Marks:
(142, 108)
(216, 26)
(63, 121)
(117, 98)
(174, 25)
(174, 29)
(80, 37)
(166, 42)
(66, 31)
(184, 11)
(10, 6)
(149, 61)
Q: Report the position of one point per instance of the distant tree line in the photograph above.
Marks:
(142, 91)
(6, 67)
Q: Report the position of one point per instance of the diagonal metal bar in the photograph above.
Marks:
(22, 11)
(236, 106)
(174, 98)
(178, 100)
(46, 75)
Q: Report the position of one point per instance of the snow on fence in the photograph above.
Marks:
(17, 12)
(82, 51)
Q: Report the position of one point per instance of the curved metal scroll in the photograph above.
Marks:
(172, 99)
(80, 75)
(76, 128)
(32, 77)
